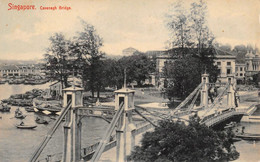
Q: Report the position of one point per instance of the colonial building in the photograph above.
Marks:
(26, 70)
(129, 51)
(20, 70)
(252, 63)
(226, 63)
(224, 60)
(240, 72)
(9, 70)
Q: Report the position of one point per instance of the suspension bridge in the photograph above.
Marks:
(122, 130)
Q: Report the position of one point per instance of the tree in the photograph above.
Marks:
(112, 73)
(200, 33)
(184, 74)
(85, 49)
(57, 59)
(175, 141)
(138, 67)
(179, 27)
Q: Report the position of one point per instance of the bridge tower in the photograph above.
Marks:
(204, 90)
(231, 91)
(72, 126)
(125, 129)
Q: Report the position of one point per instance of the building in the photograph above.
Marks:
(240, 73)
(129, 51)
(252, 63)
(26, 70)
(20, 70)
(226, 63)
(56, 90)
(9, 71)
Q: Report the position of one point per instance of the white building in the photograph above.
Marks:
(9, 70)
(226, 63)
(240, 72)
(252, 63)
(129, 51)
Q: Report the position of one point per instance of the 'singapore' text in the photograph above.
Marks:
(21, 7)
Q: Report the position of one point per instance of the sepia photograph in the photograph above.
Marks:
(129, 80)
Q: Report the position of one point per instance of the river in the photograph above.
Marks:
(18, 145)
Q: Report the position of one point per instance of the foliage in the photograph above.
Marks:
(184, 75)
(175, 141)
(194, 42)
(79, 57)
(201, 35)
(57, 58)
(189, 28)
(138, 67)
(179, 27)
(86, 50)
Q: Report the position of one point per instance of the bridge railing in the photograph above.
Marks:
(220, 117)
(251, 108)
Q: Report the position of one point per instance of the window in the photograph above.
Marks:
(228, 71)
(219, 71)
(241, 69)
(218, 63)
(228, 63)
(241, 74)
(236, 68)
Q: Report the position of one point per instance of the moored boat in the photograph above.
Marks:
(26, 126)
(41, 121)
(18, 114)
(249, 136)
(29, 109)
(4, 108)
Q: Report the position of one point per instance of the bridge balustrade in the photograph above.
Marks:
(216, 119)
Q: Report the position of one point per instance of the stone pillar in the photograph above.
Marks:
(204, 90)
(72, 126)
(125, 128)
(231, 96)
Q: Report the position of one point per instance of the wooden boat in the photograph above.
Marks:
(230, 125)
(4, 108)
(236, 139)
(29, 109)
(18, 114)
(249, 136)
(26, 126)
(41, 121)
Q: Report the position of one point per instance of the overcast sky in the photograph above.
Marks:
(121, 23)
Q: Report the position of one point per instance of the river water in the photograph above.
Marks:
(18, 145)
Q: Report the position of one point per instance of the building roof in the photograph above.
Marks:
(249, 55)
(9, 67)
(130, 49)
(125, 90)
(73, 88)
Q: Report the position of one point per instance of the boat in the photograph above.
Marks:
(26, 126)
(249, 136)
(236, 139)
(230, 125)
(4, 108)
(29, 109)
(18, 114)
(41, 121)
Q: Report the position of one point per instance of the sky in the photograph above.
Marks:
(140, 24)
